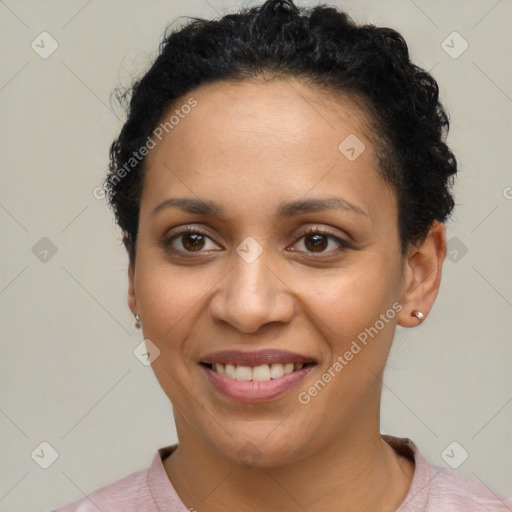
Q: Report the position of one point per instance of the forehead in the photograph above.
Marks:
(264, 138)
(287, 112)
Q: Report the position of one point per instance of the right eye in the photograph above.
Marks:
(190, 239)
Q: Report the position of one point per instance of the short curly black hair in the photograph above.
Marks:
(321, 46)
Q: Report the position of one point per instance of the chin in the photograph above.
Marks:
(263, 447)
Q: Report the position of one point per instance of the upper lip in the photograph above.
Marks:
(256, 357)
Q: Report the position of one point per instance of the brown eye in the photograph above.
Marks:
(318, 241)
(192, 241)
(188, 241)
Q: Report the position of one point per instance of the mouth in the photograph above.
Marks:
(256, 376)
(259, 373)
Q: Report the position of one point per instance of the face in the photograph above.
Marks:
(268, 271)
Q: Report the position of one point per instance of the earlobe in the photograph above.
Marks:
(424, 263)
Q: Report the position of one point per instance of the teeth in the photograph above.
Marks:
(288, 368)
(263, 372)
(230, 371)
(243, 373)
(276, 371)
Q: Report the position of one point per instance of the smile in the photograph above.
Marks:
(255, 376)
(259, 373)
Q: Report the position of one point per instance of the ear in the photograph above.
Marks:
(423, 264)
(132, 299)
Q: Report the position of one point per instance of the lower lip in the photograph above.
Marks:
(250, 391)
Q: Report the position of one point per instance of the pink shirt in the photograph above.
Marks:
(433, 489)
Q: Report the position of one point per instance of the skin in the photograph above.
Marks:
(249, 147)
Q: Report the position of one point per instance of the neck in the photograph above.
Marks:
(357, 471)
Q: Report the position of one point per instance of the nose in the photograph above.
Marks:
(252, 295)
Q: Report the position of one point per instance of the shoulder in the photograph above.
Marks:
(146, 490)
(455, 492)
(129, 494)
(436, 488)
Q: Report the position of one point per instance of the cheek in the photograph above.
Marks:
(169, 300)
(350, 300)
(354, 317)
(167, 294)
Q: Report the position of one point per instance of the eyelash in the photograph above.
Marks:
(344, 245)
(319, 231)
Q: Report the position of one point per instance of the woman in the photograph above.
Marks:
(282, 182)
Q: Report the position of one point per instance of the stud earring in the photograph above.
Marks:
(137, 322)
(419, 315)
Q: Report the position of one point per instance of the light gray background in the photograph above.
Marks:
(68, 375)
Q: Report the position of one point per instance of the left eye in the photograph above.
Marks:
(317, 241)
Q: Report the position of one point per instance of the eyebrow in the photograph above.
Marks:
(285, 210)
